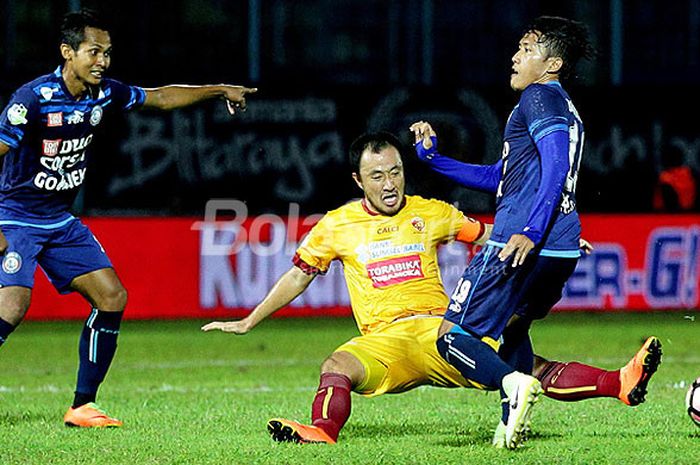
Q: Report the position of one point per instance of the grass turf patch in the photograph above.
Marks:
(190, 397)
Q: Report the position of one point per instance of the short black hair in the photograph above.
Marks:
(564, 38)
(74, 24)
(375, 142)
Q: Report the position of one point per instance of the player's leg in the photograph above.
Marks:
(17, 269)
(98, 341)
(331, 406)
(516, 348)
(14, 302)
(479, 309)
(572, 381)
(388, 360)
(75, 261)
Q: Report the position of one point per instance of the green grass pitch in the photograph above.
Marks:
(188, 397)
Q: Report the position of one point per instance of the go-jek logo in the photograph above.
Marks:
(669, 278)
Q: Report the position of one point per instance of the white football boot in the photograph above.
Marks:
(523, 392)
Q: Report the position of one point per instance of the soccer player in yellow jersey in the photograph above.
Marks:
(388, 245)
(387, 242)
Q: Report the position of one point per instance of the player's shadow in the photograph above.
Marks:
(373, 430)
(448, 434)
(481, 436)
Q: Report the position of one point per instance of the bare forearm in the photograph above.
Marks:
(179, 96)
(285, 290)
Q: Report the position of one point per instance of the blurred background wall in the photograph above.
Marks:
(330, 69)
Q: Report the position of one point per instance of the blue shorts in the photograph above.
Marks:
(491, 291)
(64, 253)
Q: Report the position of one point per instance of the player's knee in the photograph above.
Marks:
(442, 346)
(13, 306)
(344, 363)
(114, 300)
(334, 364)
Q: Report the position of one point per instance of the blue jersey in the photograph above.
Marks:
(49, 133)
(531, 200)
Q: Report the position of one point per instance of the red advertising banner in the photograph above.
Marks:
(188, 268)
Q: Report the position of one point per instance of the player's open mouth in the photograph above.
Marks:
(390, 200)
(96, 73)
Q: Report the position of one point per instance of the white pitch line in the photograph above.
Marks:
(209, 363)
(184, 364)
(163, 388)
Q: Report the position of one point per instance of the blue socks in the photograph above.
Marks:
(98, 343)
(518, 354)
(474, 359)
(5, 330)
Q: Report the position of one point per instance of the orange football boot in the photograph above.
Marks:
(283, 430)
(635, 376)
(90, 416)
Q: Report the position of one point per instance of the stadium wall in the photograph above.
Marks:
(185, 268)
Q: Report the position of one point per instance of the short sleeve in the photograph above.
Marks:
(450, 221)
(18, 116)
(316, 251)
(544, 110)
(126, 97)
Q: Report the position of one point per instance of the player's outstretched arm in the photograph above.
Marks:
(179, 96)
(481, 177)
(286, 289)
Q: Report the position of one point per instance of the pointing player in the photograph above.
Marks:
(45, 135)
(533, 249)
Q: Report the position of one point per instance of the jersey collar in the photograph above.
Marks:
(363, 202)
(90, 93)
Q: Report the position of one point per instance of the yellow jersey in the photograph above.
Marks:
(390, 262)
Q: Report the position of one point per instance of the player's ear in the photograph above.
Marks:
(67, 51)
(358, 181)
(555, 64)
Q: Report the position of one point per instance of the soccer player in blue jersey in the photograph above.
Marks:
(534, 246)
(46, 132)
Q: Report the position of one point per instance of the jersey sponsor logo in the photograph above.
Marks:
(387, 229)
(418, 223)
(54, 119)
(395, 270)
(74, 145)
(47, 92)
(50, 147)
(17, 114)
(62, 163)
(96, 115)
(62, 182)
(11, 263)
(76, 117)
(381, 249)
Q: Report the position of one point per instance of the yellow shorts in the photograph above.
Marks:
(402, 356)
